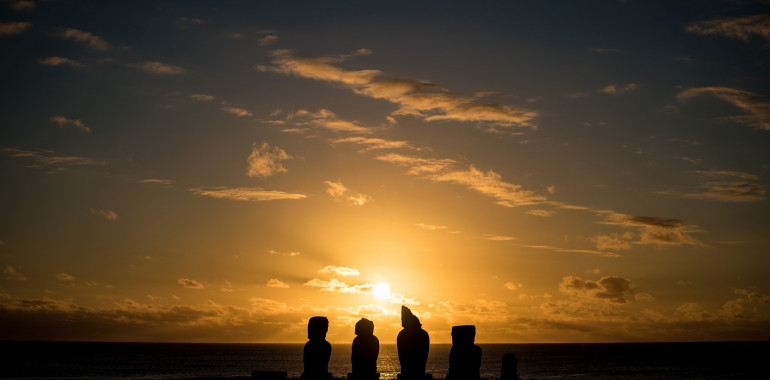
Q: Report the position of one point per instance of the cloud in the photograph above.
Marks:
(190, 284)
(756, 109)
(570, 250)
(12, 274)
(655, 230)
(501, 238)
(336, 286)
(612, 288)
(374, 143)
(251, 194)
(106, 214)
(58, 61)
(417, 98)
(614, 242)
(431, 227)
(64, 277)
(615, 89)
(276, 283)
(265, 160)
(605, 50)
(738, 27)
(325, 119)
(732, 186)
(13, 28)
(341, 271)
(267, 40)
(22, 5)
(339, 192)
(291, 254)
(91, 40)
(202, 97)
(512, 285)
(490, 184)
(237, 111)
(417, 165)
(164, 182)
(49, 158)
(154, 67)
(543, 213)
(63, 122)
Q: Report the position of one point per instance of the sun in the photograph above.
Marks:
(381, 291)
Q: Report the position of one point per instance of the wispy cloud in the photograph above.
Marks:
(756, 107)
(238, 111)
(418, 165)
(63, 122)
(738, 27)
(154, 67)
(336, 286)
(49, 158)
(202, 97)
(276, 283)
(417, 98)
(729, 186)
(500, 238)
(373, 143)
(13, 28)
(265, 160)
(106, 214)
(22, 5)
(325, 119)
(251, 194)
(611, 288)
(190, 284)
(490, 184)
(432, 227)
(543, 213)
(340, 192)
(267, 40)
(64, 277)
(12, 274)
(571, 250)
(58, 61)
(512, 285)
(605, 50)
(614, 241)
(615, 89)
(290, 253)
(655, 230)
(341, 271)
(164, 182)
(91, 40)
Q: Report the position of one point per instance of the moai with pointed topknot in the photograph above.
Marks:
(413, 343)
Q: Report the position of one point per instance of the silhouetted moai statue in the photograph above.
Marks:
(464, 357)
(317, 350)
(366, 347)
(509, 370)
(413, 343)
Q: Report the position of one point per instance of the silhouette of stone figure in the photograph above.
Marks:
(413, 343)
(317, 350)
(464, 357)
(366, 347)
(509, 370)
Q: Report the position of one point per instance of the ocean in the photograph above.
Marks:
(83, 360)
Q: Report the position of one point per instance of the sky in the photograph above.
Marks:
(221, 171)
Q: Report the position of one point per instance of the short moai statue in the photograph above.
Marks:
(317, 350)
(465, 356)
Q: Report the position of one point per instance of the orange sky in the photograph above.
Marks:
(229, 170)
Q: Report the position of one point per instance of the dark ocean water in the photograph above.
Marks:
(727, 360)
